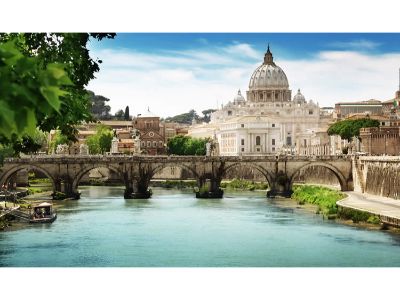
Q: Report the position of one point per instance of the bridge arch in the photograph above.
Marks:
(81, 173)
(266, 173)
(7, 175)
(165, 165)
(338, 174)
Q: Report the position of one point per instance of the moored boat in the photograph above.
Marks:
(43, 213)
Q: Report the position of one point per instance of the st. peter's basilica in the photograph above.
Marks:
(268, 122)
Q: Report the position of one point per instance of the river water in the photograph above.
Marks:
(174, 229)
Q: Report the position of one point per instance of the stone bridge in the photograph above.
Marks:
(136, 172)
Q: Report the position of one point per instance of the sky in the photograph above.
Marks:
(172, 73)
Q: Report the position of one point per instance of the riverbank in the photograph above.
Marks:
(325, 200)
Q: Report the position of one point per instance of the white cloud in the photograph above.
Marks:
(344, 76)
(171, 83)
(356, 45)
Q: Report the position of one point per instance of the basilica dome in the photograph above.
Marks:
(299, 98)
(238, 98)
(268, 75)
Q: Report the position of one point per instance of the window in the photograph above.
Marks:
(143, 144)
(258, 149)
(273, 142)
(148, 144)
(155, 144)
(229, 113)
(305, 143)
(261, 96)
(310, 112)
(273, 149)
(242, 125)
(160, 144)
(242, 142)
(242, 149)
(258, 140)
(276, 96)
(289, 140)
(273, 125)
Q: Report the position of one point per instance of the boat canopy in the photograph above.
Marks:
(44, 204)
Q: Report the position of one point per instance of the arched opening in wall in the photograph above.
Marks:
(173, 176)
(317, 175)
(27, 181)
(245, 177)
(97, 181)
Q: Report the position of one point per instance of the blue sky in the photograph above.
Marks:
(174, 72)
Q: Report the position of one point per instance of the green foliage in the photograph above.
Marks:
(185, 145)
(185, 118)
(207, 115)
(34, 190)
(179, 184)
(59, 196)
(119, 115)
(241, 184)
(100, 142)
(39, 180)
(374, 220)
(323, 197)
(58, 139)
(30, 143)
(126, 114)
(347, 129)
(99, 109)
(43, 80)
(358, 216)
(6, 151)
(27, 90)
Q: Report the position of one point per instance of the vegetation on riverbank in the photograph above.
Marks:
(325, 198)
(177, 184)
(358, 216)
(235, 184)
(244, 185)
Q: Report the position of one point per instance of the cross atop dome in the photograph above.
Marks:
(268, 58)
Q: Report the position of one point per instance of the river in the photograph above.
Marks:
(174, 229)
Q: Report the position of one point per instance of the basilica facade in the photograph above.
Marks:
(270, 121)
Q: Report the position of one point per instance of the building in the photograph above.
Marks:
(268, 122)
(344, 109)
(380, 140)
(151, 135)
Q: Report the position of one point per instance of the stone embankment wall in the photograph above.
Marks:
(380, 175)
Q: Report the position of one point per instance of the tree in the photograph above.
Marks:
(43, 77)
(347, 129)
(119, 115)
(30, 143)
(27, 92)
(185, 145)
(99, 109)
(58, 139)
(185, 118)
(207, 114)
(100, 142)
(126, 115)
